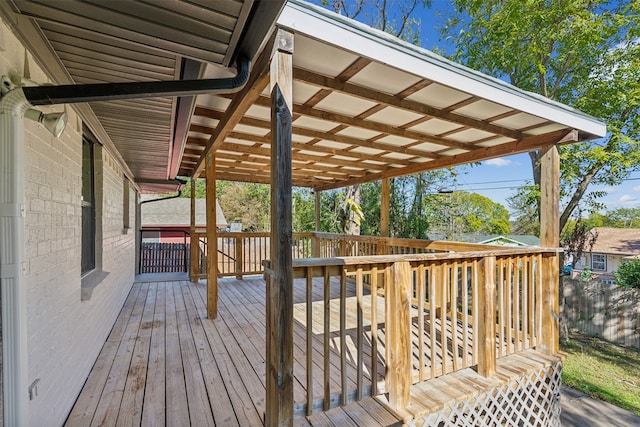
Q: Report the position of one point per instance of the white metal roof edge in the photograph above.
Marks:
(324, 25)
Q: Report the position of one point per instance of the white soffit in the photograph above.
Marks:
(344, 104)
(482, 110)
(325, 59)
(394, 116)
(520, 121)
(435, 127)
(353, 37)
(439, 96)
(469, 135)
(356, 132)
(383, 78)
(314, 124)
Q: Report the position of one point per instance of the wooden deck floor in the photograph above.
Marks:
(164, 363)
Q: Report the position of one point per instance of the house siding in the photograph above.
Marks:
(66, 334)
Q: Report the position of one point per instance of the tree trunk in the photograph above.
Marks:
(352, 226)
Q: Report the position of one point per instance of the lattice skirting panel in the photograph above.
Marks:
(531, 400)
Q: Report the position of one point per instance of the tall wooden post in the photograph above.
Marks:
(384, 208)
(194, 244)
(279, 304)
(487, 317)
(212, 239)
(398, 331)
(315, 244)
(550, 238)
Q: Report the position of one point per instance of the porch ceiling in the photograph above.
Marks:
(368, 106)
(140, 40)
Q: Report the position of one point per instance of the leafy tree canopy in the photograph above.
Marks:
(584, 53)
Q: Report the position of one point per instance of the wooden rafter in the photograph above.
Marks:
(315, 79)
(526, 144)
(371, 125)
(239, 104)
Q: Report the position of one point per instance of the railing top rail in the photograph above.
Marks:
(250, 234)
(388, 259)
(421, 243)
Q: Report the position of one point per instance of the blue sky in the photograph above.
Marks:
(499, 178)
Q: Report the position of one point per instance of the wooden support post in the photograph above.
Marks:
(384, 208)
(279, 304)
(239, 257)
(194, 243)
(315, 244)
(487, 317)
(398, 329)
(212, 239)
(550, 238)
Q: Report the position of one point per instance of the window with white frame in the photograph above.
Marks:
(598, 262)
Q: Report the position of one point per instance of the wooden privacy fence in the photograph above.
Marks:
(378, 324)
(606, 311)
(164, 257)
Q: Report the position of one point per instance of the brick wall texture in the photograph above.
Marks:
(65, 334)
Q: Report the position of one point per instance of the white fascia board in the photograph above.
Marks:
(323, 25)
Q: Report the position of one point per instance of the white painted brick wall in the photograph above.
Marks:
(65, 333)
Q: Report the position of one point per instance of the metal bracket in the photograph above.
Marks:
(33, 389)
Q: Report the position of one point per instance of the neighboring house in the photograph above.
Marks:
(168, 220)
(504, 240)
(612, 246)
(514, 240)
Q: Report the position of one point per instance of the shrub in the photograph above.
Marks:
(628, 274)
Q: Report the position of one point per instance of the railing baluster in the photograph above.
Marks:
(501, 307)
(454, 315)
(510, 323)
(309, 274)
(374, 331)
(516, 305)
(434, 277)
(421, 296)
(465, 313)
(443, 288)
(327, 332)
(359, 333)
(343, 336)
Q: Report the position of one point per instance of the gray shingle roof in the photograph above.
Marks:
(178, 212)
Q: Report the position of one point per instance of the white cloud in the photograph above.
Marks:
(498, 162)
(636, 188)
(627, 199)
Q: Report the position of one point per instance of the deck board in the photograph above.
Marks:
(165, 363)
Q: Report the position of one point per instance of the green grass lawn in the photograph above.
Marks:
(603, 370)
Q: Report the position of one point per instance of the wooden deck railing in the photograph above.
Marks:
(382, 323)
(241, 254)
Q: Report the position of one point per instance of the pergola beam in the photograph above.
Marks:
(526, 144)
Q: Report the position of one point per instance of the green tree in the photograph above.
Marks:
(464, 212)
(248, 203)
(584, 53)
(628, 274)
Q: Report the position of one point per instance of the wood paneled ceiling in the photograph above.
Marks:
(98, 41)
